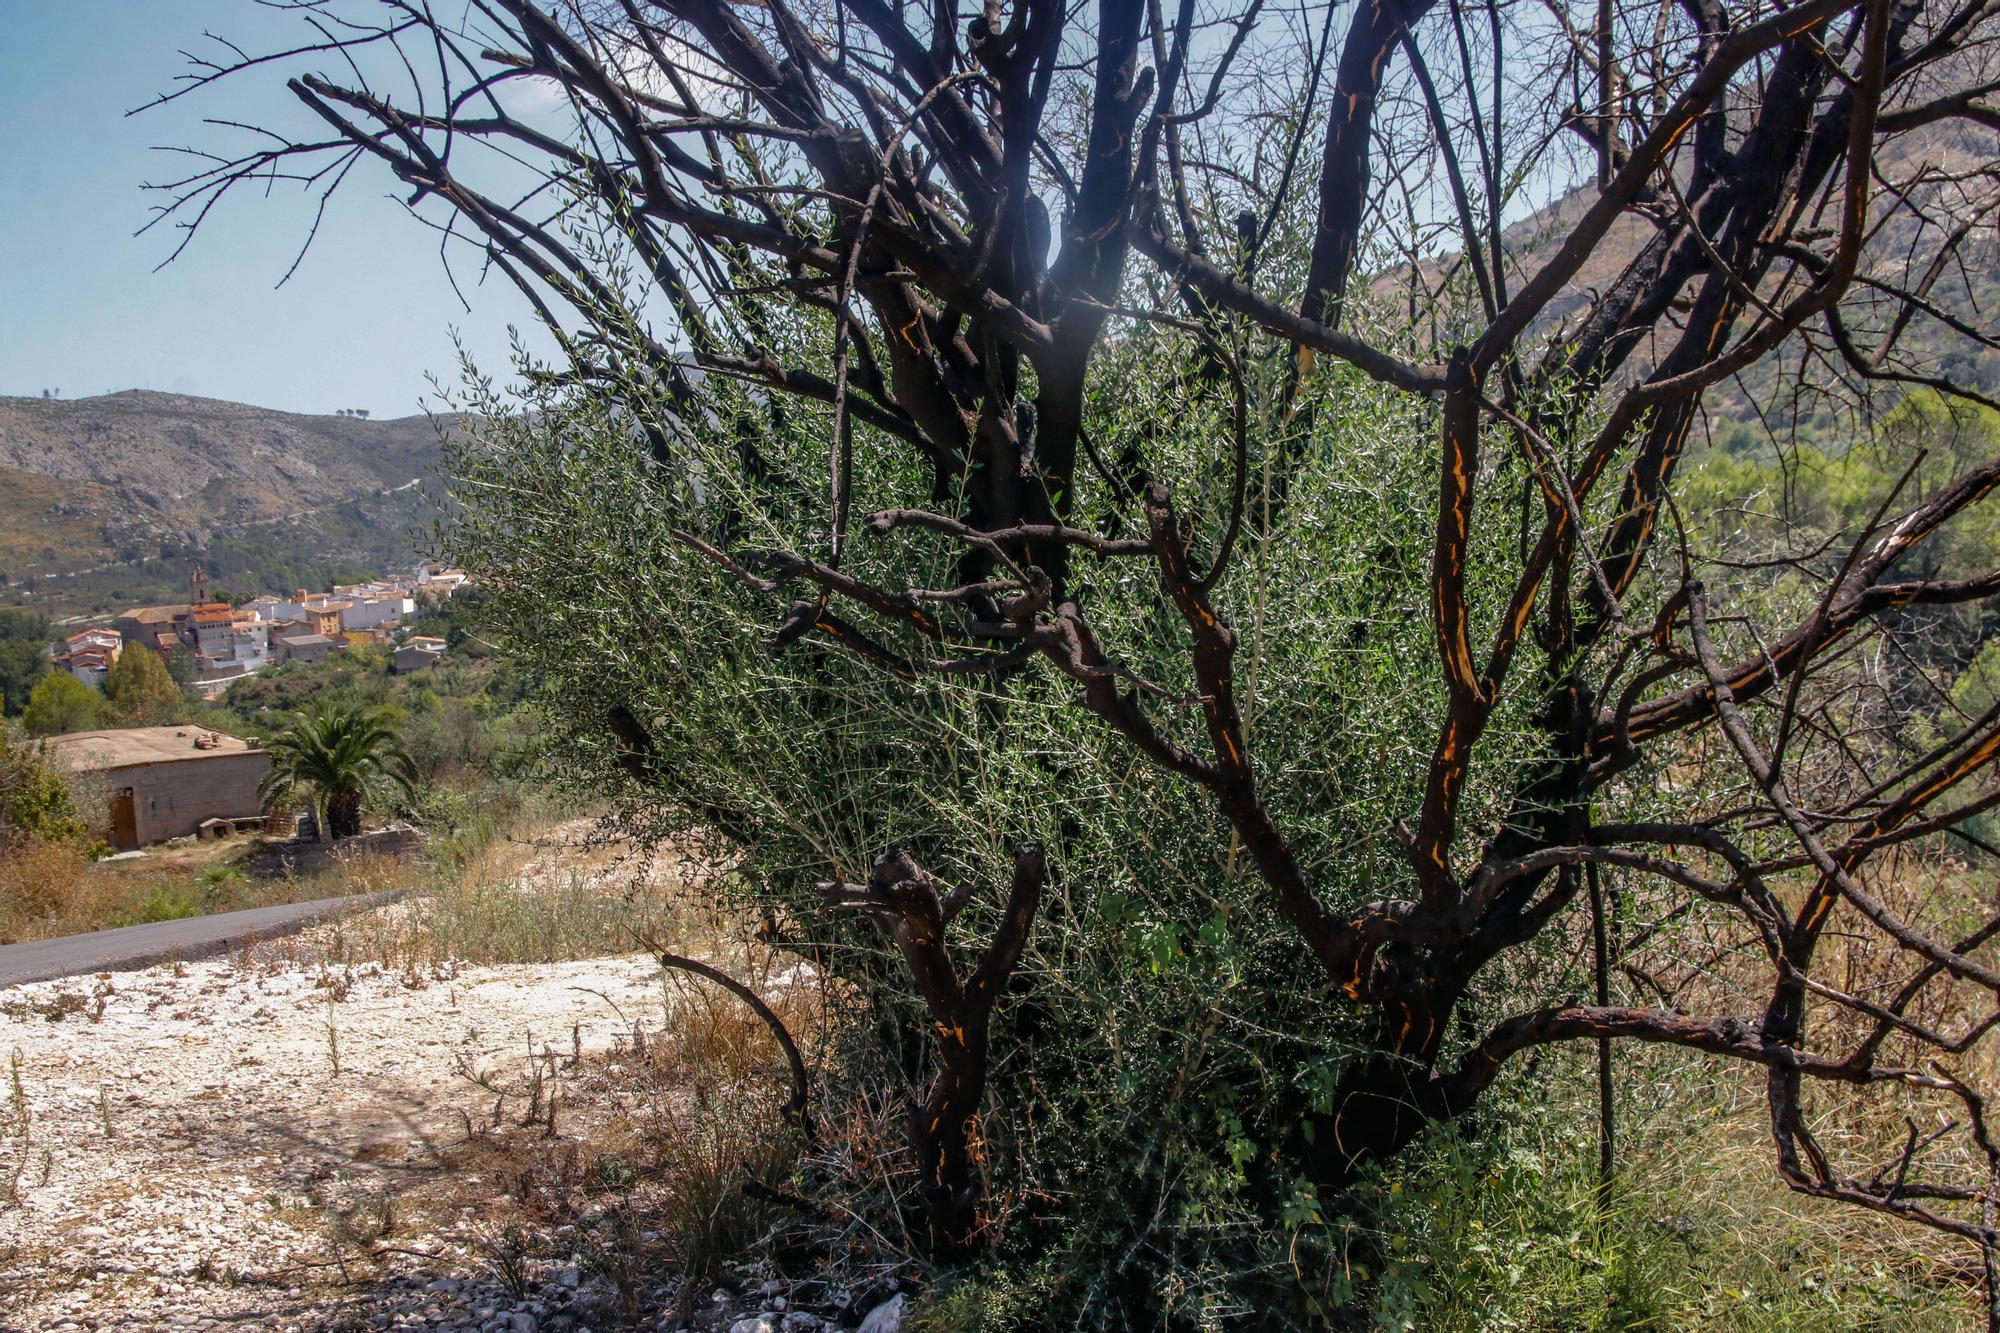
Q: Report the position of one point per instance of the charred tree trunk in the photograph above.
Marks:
(943, 1122)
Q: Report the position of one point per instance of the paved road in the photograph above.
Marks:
(131, 947)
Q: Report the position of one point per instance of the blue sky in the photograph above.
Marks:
(369, 312)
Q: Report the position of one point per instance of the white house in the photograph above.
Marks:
(88, 656)
(269, 608)
(441, 580)
(374, 588)
(367, 613)
(250, 644)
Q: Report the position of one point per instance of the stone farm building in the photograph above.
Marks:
(167, 782)
(411, 657)
(302, 647)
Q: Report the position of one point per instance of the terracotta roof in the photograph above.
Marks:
(148, 615)
(85, 751)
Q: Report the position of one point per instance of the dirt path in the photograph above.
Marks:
(195, 1133)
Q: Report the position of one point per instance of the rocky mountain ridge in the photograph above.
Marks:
(1943, 156)
(111, 501)
(141, 465)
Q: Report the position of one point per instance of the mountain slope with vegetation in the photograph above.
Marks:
(1780, 394)
(118, 494)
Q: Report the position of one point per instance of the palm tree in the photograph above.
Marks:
(337, 758)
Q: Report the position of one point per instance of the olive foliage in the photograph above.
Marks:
(1193, 618)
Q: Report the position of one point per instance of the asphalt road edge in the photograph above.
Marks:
(112, 958)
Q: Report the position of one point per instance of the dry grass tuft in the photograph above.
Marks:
(46, 889)
(642, 1165)
(1697, 1146)
(50, 887)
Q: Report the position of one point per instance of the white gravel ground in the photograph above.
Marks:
(191, 1129)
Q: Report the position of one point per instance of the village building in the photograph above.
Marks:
(212, 623)
(325, 618)
(229, 645)
(88, 656)
(278, 609)
(89, 666)
(250, 640)
(440, 579)
(410, 658)
(104, 639)
(167, 782)
(374, 612)
(302, 647)
(155, 627)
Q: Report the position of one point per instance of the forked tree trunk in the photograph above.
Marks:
(1383, 1101)
(944, 1124)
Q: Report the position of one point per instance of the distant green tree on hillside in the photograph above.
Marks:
(181, 667)
(59, 703)
(141, 690)
(1747, 508)
(1978, 686)
(23, 635)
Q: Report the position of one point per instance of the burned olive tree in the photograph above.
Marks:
(935, 241)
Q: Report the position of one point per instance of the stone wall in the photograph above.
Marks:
(171, 799)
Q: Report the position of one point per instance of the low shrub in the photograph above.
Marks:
(45, 887)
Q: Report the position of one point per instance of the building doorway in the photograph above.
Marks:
(124, 820)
